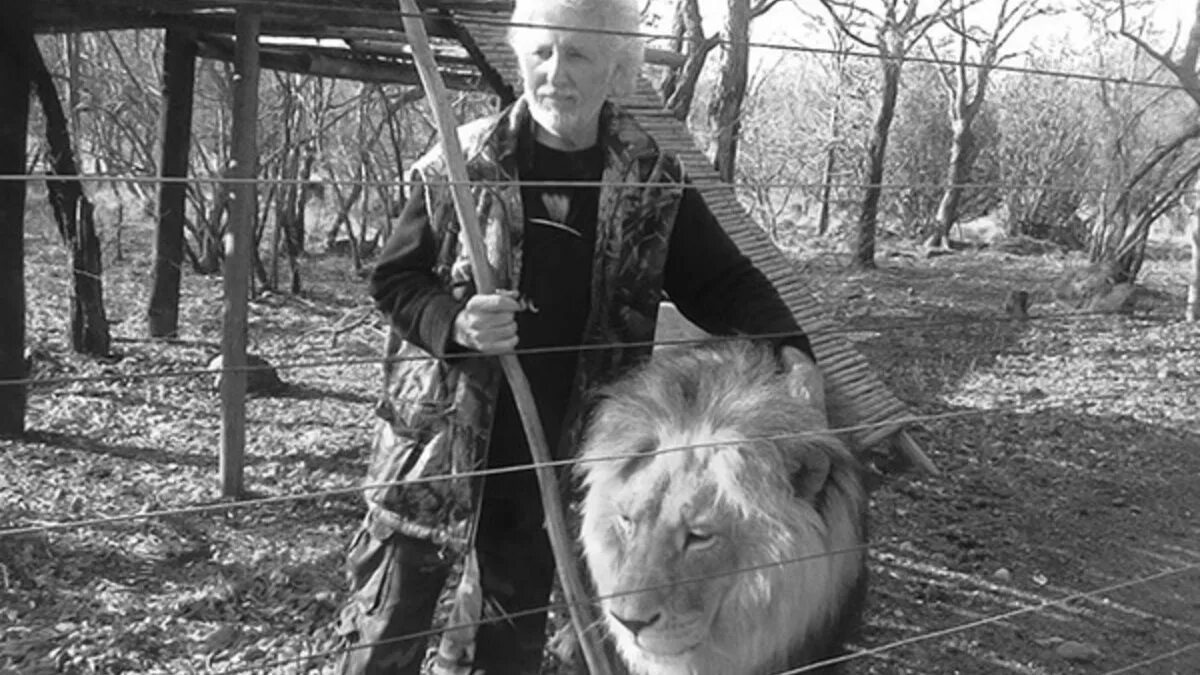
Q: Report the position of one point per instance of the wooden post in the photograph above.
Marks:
(556, 525)
(242, 166)
(175, 133)
(14, 125)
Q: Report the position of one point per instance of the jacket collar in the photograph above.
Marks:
(511, 140)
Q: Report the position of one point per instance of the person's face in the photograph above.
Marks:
(567, 76)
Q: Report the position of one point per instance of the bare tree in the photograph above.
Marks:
(73, 212)
(891, 28)
(966, 86)
(829, 169)
(679, 87)
(725, 110)
(774, 152)
(1160, 178)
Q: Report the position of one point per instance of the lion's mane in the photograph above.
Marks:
(740, 556)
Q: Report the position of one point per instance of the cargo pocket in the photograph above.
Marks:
(370, 562)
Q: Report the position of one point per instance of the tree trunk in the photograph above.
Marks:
(962, 149)
(1121, 232)
(1193, 295)
(14, 125)
(835, 121)
(175, 130)
(74, 215)
(864, 248)
(726, 110)
(290, 211)
(679, 90)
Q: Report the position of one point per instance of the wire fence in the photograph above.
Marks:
(851, 656)
(1082, 188)
(906, 421)
(917, 326)
(46, 527)
(34, 528)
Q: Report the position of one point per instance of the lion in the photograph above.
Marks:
(721, 534)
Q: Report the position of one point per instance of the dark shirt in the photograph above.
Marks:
(706, 276)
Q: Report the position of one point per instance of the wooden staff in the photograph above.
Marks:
(556, 523)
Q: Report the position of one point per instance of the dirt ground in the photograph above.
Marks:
(1062, 535)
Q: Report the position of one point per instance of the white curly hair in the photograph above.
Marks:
(618, 21)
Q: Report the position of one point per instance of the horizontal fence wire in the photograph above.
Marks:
(907, 420)
(852, 656)
(704, 185)
(589, 601)
(470, 18)
(915, 326)
(1155, 659)
(1048, 604)
(874, 651)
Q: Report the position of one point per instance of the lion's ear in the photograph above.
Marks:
(809, 477)
(805, 383)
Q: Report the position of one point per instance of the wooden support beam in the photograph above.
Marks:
(491, 77)
(327, 64)
(14, 125)
(175, 135)
(243, 166)
(664, 57)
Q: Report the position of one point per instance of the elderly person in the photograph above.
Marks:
(584, 261)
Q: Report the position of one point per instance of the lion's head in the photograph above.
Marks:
(713, 560)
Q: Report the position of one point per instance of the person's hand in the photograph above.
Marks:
(488, 323)
(805, 381)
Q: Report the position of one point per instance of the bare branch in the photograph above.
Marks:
(762, 7)
(1192, 50)
(1185, 69)
(846, 25)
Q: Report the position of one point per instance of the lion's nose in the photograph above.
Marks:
(636, 626)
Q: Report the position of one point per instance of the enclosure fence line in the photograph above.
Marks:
(707, 184)
(44, 382)
(1034, 405)
(1155, 659)
(475, 19)
(14, 532)
(506, 616)
(852, 656)
(265, 501)
(1058, 602)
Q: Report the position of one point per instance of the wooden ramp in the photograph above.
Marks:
(857, 398)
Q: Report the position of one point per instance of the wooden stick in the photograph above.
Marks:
(908, 447)
(556, 524)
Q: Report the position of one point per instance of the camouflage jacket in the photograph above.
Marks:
(436, 415)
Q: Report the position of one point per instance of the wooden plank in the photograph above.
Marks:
(334, 65)
(175, 128)
(244, 165)
(14, 126)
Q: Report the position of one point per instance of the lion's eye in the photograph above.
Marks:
(696, 540)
